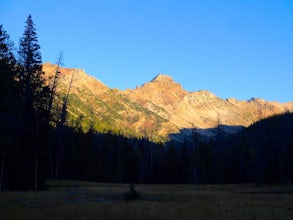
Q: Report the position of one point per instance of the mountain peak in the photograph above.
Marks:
(161, 90)
(162, 78)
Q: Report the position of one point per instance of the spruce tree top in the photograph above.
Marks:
(29, 47)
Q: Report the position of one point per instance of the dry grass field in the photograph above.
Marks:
(74, 200)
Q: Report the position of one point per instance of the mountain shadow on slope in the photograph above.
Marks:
(221, 131)
(260, 154)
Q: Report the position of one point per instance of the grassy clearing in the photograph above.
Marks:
(82, 200)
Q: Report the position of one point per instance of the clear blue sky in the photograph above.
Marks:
(234, 48)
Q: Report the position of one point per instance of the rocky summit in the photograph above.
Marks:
(159, 109)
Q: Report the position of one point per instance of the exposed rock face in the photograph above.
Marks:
(81, 79)
(162, 90)
(160, 107)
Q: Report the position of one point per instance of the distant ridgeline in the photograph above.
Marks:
(159, 110)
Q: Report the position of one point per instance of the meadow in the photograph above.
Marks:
(74, 200)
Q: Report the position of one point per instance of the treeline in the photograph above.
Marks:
(36, 144)
(260, 154)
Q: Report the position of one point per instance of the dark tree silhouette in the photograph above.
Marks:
(7, 100)
(54, 84)
(31, 75)
(33, 96)
(60, 127)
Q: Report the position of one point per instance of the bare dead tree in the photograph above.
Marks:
(53, 115)
(61, 126)
(55, 81)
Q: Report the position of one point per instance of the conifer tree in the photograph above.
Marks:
(33, 96)
(6, 47)
(30, 76)
(7, 100)
(7, 63)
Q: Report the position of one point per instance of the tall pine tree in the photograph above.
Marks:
(7, 64)
(31, 74)
(33, 96)
(7, 102)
